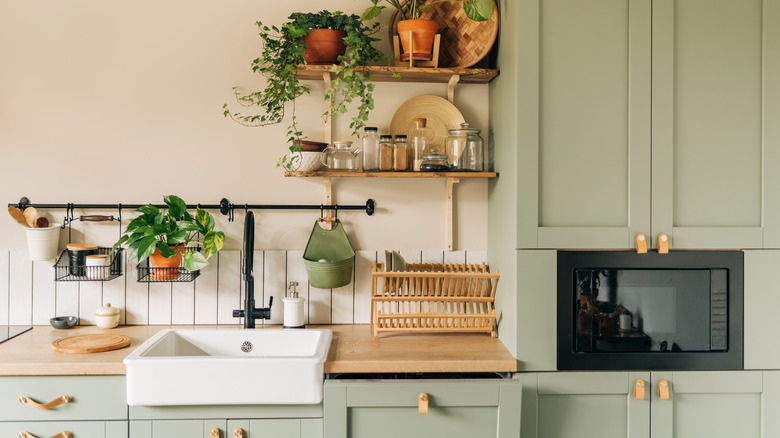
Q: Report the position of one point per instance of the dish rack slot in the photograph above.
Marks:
(452, 298)
(63, 271)
(149, 274)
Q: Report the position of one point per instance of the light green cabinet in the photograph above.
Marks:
(603, 404)
(643, 116)
(277, 427)
(455, 409)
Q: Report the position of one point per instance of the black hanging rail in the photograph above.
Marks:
(225, 207)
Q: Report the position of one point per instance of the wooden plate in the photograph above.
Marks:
(83, 344)
(441, 114)
(463, 42)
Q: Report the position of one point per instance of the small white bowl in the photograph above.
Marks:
(306, 161)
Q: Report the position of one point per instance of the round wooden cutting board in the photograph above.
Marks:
(82, 344)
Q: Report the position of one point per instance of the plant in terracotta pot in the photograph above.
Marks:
(163, 236)
(295, 43)
(421, 31)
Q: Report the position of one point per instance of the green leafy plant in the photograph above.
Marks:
(477, 10)
(164, 230)
(283, 52)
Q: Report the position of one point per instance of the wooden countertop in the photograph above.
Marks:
(353, 350)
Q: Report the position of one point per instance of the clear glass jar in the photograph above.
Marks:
(370, 149)
(341, 157)
(420, 143)
(435, 162)
(385, 152)
(400, 154)
(465, 148)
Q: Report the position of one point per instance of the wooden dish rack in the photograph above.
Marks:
(453, 298)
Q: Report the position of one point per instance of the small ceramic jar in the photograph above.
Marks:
(96, 267)
(107, 317)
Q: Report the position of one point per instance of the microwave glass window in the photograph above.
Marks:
(641, 310)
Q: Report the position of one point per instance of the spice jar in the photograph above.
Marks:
(385, 152)
(370, 150)
(435, 162)
(465, 148)
(77, 257)
(400, 154)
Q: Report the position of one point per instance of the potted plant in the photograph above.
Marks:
(163, 236)
(422, 31)
(286, 47)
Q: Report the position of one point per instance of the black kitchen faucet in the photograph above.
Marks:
(250, 312)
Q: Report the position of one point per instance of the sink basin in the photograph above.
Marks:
(228, 366)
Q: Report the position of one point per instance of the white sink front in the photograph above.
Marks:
(228, 366)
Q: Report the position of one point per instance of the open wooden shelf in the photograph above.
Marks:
(407, 74)
(389, 174)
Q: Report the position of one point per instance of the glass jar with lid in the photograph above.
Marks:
(435, 162)
(400, 154)
(465, 148)
(385, 152)
(370, 149)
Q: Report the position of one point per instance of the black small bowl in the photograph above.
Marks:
(63, 322)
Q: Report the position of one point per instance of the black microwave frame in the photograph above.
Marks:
(730, 359)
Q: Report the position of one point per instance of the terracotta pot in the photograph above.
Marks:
(324, 46)
(422, 34)
(166, 269)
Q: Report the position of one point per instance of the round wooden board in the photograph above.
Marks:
(83, 344)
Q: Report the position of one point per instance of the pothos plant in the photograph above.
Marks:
(283, 52)
(166, 230)
(477, 10)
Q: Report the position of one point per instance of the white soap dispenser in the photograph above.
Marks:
(293, 308)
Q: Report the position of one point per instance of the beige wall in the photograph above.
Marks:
(108, 101)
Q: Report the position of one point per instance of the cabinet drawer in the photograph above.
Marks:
(77, 429)
(440, 393)
(91, 398)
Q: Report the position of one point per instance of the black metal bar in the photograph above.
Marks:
(223, 207)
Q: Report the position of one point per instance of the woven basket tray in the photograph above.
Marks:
(463, 42)
(433, 298)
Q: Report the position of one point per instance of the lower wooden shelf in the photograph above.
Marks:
(389, 174)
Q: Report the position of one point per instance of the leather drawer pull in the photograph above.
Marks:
(663, 244)
(63, 434)
(639, 389)
(422, 403)
(214, 433)
(641, 244)
(663, 389)
(52, 404)
(238, 433)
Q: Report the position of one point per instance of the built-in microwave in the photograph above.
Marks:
(621, 310)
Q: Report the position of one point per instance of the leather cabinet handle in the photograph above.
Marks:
(422, 403)
(215, 433)
(52, 404)
(238, 433)
(663, 389)
(639, 389)
(63, 434)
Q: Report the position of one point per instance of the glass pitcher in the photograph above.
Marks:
(341, 157)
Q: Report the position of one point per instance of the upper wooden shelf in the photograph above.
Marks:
(390, 174)
(407, 74)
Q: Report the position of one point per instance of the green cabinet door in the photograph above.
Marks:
(585, 404)
(391, 409)
(584, 123)
(277, 428)
(716, 404)
(716, 142)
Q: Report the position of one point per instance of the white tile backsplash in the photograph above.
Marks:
(29, 294)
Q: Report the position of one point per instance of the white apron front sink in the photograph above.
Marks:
(228, 366)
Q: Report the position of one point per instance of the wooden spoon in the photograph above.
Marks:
(42, 222)
(18, 216)
(31, 216)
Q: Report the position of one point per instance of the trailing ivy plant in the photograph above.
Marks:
(165, 230)
(283, 50)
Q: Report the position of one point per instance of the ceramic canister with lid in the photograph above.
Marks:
(107, 317)
(77, 257)
(97, 266)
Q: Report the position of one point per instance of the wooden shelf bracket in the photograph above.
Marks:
(450, 213)
(454, 79)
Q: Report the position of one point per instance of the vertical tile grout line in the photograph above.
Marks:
(32, 292)
(8, 311)
(216, 320)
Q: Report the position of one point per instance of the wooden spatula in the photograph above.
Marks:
(18, 216)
